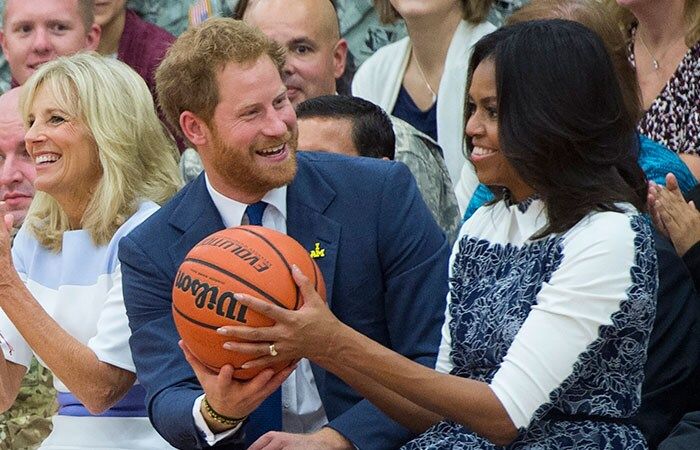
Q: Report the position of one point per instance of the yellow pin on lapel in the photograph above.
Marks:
(317, 252)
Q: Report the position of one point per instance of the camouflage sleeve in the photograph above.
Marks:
(28, 422)
(501, 9)
(173, 14)
(5, 77)
(190, 165)
(424, 159)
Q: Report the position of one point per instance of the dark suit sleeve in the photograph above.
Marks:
(692, 261)
(414, 258)
(686, 435)
(674, 345)
(160, 365)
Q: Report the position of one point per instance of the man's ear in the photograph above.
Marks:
(92, 39)
(340, 57)
(194, 128)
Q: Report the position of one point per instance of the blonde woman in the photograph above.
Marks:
(103, 165)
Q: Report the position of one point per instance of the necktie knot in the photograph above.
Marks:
(255, 212)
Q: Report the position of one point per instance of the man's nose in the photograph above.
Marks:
(42, 41)
(9, 172)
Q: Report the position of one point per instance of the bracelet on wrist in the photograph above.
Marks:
(220, 418)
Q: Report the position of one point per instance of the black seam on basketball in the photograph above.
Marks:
(284, 260)
(194, 321)
(239, 279)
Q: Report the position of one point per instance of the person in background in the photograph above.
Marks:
(345, 125)
(316, 54)
(132, 40)
(103, 164)
(421, 78)
(664, 49)
(655, 160)
(35, 32)
(679, 220)
(357, 127)
(27, 423)
(139, 44)
(17, 171)
(552, 287)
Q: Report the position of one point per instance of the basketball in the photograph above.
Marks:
(248, 259)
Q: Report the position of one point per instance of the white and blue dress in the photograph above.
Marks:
(80, 288)
(557, 326)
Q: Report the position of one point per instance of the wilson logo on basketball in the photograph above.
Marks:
(205, 295)
(247, 254)
(250, 260)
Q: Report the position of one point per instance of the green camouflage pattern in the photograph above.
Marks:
(360, 26)
(28, 422)
(501, 9)
(424, 158)
(173, 14)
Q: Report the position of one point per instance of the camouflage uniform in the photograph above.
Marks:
(423, 156)
(360, 26)
(173, 14)
(501, 9)
(27, 423)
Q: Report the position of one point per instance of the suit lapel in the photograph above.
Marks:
(196, 217)
(308, 198)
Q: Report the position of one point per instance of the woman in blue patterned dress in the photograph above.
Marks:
(552, 285)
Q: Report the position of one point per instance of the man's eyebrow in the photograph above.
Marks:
(302, 40)
(16, 23)
(65, 22)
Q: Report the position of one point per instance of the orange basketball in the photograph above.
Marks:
(248, 259)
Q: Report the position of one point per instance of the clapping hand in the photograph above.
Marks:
(675, 218)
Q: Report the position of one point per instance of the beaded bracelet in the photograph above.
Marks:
(224, 420)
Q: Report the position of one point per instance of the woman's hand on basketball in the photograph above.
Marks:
(305, 333)
(229, 396)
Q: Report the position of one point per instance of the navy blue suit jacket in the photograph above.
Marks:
(385, 268)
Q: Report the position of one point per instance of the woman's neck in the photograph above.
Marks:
(661, 24)
(431, 38)
(111, 34)
(74, 206)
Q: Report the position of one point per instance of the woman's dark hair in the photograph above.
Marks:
(562, 120)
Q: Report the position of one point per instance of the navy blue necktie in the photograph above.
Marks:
(268, 416)
(255, 212)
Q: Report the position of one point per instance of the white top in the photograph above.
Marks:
(379, 80)
(302, 410)
(586, 287)
(81, 289)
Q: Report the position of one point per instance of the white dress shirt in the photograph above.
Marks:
(302, 410)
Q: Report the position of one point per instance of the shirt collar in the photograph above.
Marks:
(232, 211)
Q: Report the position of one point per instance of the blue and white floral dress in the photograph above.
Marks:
(558, 326)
